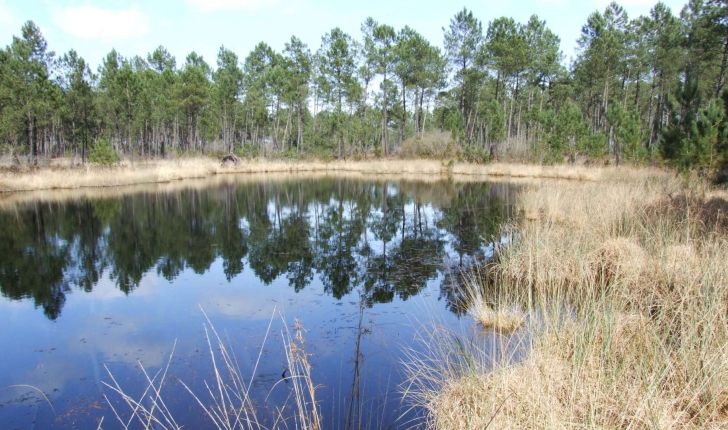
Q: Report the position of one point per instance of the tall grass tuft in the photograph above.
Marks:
(628, 278)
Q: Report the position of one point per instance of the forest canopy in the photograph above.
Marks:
(642, 89)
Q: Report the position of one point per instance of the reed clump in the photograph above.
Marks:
(628, 278)
(488, 309)
(504, 320)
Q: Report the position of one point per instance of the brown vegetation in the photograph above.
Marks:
(60, 175)
(626, 285)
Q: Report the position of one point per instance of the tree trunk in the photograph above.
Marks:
(404, 113)
(385, 129)
(232, 131)
(85, 128)
(415, 113)
(424, 120)
(603, 115)
(473, 120)
(299, 140)
(276, 127)
(497, 85)
(650, 141)
(510, 119)
(288, 125)
(225, 128)
(721, 76)
(421, 122)
(31, 141)
(625, 88)
(468, 132)
(245, 129)
(518, 121)
(659, 112)
(462, 92)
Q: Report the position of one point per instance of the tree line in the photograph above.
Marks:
(649, 88)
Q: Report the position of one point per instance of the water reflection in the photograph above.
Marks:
(389, 238)
(119, 278)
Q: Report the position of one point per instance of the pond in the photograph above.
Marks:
(119, 279)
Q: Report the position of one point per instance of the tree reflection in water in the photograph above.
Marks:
(386, 238)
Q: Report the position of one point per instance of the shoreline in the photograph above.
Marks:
(64, 177)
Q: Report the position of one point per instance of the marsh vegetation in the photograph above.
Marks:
(624, 283)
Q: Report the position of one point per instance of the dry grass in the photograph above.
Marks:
(489, 311)
(629, 279)
(61, 176)
(504, 320)
(228, 404)
(559, 171)
(161, 171)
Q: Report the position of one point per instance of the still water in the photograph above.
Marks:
(97, 281)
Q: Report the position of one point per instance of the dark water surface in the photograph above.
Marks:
(115, 281)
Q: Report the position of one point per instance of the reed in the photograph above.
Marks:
(625, 284)
(504, 319)
(227, 403)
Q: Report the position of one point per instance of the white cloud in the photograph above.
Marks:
(214, 5)
(6, 17)
(90, 22)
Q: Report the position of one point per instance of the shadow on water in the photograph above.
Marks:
(346, 254)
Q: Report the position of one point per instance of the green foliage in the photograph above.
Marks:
(289, 153)
(495, 122)
(378, 151)
(102, 153)
(630, 136)
(696, 138)
(569, 128)
(247, 152)
(475, 155)
(503, 87)
(450, 120)
(595, 145)
(709, 136)
(323, 154)
(676, 144)
(627, 129)
(463, 39)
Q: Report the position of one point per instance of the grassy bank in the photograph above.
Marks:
(59, 175)
(625, 288)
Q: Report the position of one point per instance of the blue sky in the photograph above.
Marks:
(93, 27)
